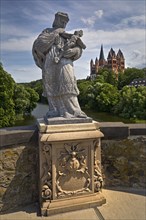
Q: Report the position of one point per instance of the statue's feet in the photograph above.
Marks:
(68, 115)
(80, 114)
(52, 114)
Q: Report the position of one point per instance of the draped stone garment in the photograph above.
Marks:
(59, 82)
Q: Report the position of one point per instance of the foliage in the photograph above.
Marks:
(107, 97)
(14, 99)
(7, 111)
(38, 87)
(97, 96)
(107, 76)
(102, 96)
(83, 88)
(33, 97)
(132, 103)
(25, 99)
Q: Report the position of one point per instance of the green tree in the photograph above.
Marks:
(14, 99)
(107, 97)
(132, 103)
(7, 111)
(33, 98)
(25, 99)
(107, 76)
(21, 99)
(99, 96)
(83, 86)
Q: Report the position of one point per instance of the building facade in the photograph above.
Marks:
(114, 62)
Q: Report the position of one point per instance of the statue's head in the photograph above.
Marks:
(60, 21)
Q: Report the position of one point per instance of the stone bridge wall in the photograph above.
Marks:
(123, 161)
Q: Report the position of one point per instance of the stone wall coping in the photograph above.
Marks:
(111, 130)
(137, 125)
(16, 135)
(113, 124)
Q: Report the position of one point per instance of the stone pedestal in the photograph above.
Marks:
(70, 167)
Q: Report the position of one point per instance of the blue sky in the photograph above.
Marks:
(113, 23)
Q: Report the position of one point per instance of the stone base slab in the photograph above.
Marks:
(72, 204)
(62, 120)
(60, 128)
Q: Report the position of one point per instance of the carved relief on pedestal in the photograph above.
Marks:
(46, 176)
(98, 180)
(72, 173)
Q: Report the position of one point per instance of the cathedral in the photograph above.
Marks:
(114, 62)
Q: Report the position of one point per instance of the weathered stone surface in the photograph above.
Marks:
(16, 135)
(54, 51)
(70, 168)
(44, 128)
(62, 120)
(124, 162)
(18, 176)
(116, 130)
(137, 129)
(19, 173)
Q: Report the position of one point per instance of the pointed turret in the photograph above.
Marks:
(120, 61)
(96, 65)
(120, 54)
(112, 61)
(96, 61)
(92, 67)
(91, 62)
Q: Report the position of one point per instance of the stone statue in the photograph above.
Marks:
(54, 51)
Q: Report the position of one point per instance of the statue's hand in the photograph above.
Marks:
(56, 59)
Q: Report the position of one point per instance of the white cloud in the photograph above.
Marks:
(135, 58)
(18, 44)
(11, 30)
(93, 38)
(133, 21)
(99, 13)
(91, 20)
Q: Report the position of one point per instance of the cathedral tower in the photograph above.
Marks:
(120, 61)
(114, 62)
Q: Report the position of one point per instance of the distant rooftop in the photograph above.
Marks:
(138, 82)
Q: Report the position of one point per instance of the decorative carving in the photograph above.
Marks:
(98, 180)
(72, 167)
(46, 178)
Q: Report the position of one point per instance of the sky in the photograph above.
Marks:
(113, 23)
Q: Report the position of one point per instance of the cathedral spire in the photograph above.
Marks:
(101, 57)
